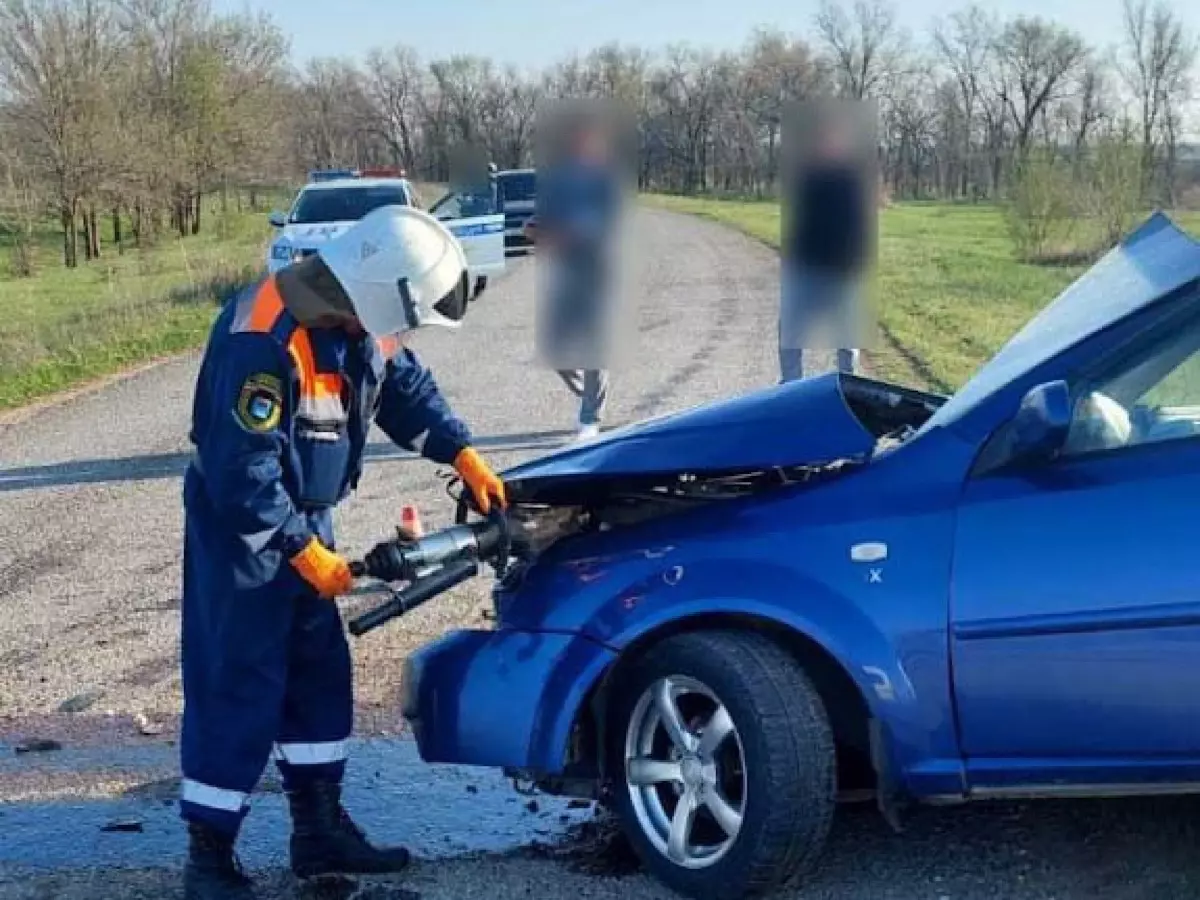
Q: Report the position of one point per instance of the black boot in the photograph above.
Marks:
(212, 871)
(325, 840)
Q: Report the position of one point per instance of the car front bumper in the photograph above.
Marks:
(502, 699)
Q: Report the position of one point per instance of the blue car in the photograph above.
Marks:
(738, 614)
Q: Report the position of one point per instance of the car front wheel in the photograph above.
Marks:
(722, 764)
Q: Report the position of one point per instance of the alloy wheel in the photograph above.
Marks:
(685, 772)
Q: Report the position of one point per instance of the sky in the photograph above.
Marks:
(536, 32)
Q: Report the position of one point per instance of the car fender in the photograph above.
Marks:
(710, 589)
(722, 593)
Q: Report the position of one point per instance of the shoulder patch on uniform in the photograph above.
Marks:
(260, 402)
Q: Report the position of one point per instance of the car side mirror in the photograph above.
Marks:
(277, 219)
(1040, 427)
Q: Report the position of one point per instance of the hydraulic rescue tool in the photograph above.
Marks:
(431, 565)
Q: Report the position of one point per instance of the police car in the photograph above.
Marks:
(334, 199)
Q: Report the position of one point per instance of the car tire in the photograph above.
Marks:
(481, 284)
(454, 304)
(776, 811)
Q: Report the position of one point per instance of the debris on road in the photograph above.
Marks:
(80, 702)
(328, 887)
(123, 826)
(37, 745)
(594, 847)
(146, 726)
(341, 887)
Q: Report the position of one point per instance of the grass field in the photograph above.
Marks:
(948, 291)
(62, 327)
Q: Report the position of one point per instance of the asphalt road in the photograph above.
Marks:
(89, 585)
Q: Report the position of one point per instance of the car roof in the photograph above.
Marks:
(334, 183)
(1152, 262)
(503, 172)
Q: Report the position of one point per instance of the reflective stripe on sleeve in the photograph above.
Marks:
(311, 754)
(212, 797)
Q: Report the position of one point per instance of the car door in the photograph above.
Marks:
(1075, 608)
(479, 227)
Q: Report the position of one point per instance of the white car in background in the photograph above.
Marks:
(335, 199)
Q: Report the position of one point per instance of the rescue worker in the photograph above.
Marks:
(296, 370)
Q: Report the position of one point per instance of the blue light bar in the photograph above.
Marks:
(331, 174)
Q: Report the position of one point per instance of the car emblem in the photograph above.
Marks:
(869, 552)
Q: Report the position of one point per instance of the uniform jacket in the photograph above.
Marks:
(280, 424)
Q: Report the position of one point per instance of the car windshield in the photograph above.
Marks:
(348, 204)
(518, 186)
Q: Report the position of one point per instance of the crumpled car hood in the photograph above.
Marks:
(805, 422)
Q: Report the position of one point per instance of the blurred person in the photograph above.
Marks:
(473, 176)
(828, 241)
(578, 206)
(295, 372)
(482, 198)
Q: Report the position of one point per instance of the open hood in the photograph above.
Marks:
(805, 422)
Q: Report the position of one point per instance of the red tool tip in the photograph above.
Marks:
(410, 520)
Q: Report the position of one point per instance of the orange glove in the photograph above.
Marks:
(327, 572)
(479, 477)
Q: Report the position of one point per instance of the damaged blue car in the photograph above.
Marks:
(733, 616)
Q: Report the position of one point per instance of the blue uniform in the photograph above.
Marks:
(280, 422)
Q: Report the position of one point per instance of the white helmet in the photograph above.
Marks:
(395, 264)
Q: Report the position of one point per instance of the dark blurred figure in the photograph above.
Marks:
(473, 177)
(578, 210)
(829, 233)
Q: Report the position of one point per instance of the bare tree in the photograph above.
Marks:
(1036, 61)
(22, 206)
(394, 81)
(910, 122)
(1158, 56)
(965, 44)
(867, 46)
(337, 129)
(56, 57)
(778, 71)
(1089, 106)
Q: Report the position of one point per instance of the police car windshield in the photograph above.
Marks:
(345, 204)
(516, 186)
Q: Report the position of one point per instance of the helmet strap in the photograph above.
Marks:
(412, 315)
